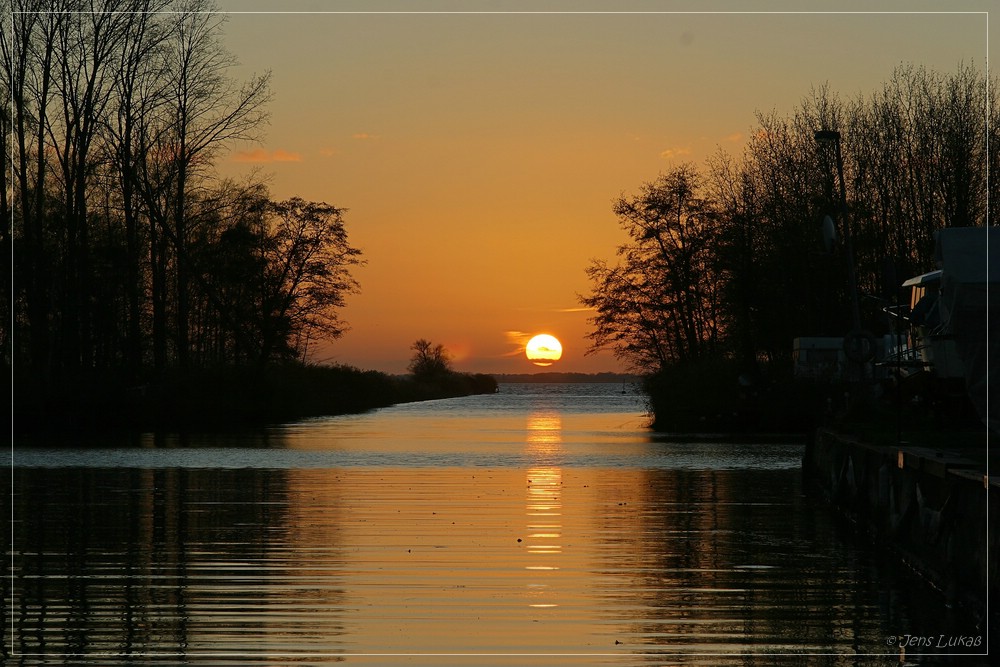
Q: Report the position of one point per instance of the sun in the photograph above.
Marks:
(543, 350)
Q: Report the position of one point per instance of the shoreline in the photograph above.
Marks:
(220, 399)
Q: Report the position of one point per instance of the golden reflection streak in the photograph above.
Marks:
(543, 503)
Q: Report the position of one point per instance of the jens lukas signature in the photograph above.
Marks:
(934, 641)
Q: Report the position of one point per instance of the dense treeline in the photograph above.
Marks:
(725, 265)
(131, 255)
(146, 291)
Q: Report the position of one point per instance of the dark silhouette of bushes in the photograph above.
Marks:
(231, 397)
(431, 375)
(712, 395)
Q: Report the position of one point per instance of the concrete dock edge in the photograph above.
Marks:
(932, 508)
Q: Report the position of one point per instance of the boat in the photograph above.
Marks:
(946, 322)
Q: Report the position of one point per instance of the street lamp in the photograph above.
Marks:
(858, 344)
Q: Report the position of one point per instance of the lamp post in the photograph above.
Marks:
(826, 137)
(858, 344)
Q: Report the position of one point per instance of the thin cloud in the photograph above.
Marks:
(260, 156)
(285, 156)
(364, 136)
(518, 339)
(671, 153)
(735, 137)
(571, 309)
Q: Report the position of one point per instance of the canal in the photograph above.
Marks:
(543, 525)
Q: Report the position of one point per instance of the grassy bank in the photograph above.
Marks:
(219, 398)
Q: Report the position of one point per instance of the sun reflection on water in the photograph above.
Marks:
(438, 530)
(544, 503)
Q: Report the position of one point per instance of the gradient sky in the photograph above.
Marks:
(478, 154)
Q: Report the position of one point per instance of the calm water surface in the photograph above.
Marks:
(539, 526)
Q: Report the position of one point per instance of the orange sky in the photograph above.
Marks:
(479, 153)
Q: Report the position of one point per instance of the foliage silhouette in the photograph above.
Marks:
(723, 269)
(227, 397)
(431, 373)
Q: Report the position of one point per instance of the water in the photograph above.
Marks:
(541, 525)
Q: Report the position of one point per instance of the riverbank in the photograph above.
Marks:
(930, 506)
(228, 398)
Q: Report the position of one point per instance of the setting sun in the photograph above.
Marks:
(543, 350)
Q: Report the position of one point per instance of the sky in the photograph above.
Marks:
(478, 147)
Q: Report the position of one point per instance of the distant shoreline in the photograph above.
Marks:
(556, 377)
(226, 398)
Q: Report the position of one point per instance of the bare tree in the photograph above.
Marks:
(738, 269)
(308, 264)
(138, 93)
(659, 305)
(87, 47)
(29, 66)
(917, 154)
(207, 111)
(429, 362)
(202, 109)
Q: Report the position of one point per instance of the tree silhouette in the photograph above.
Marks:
(429, 362)
(722, 270)
(659, 304)
(308, 261)
(116, 114)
